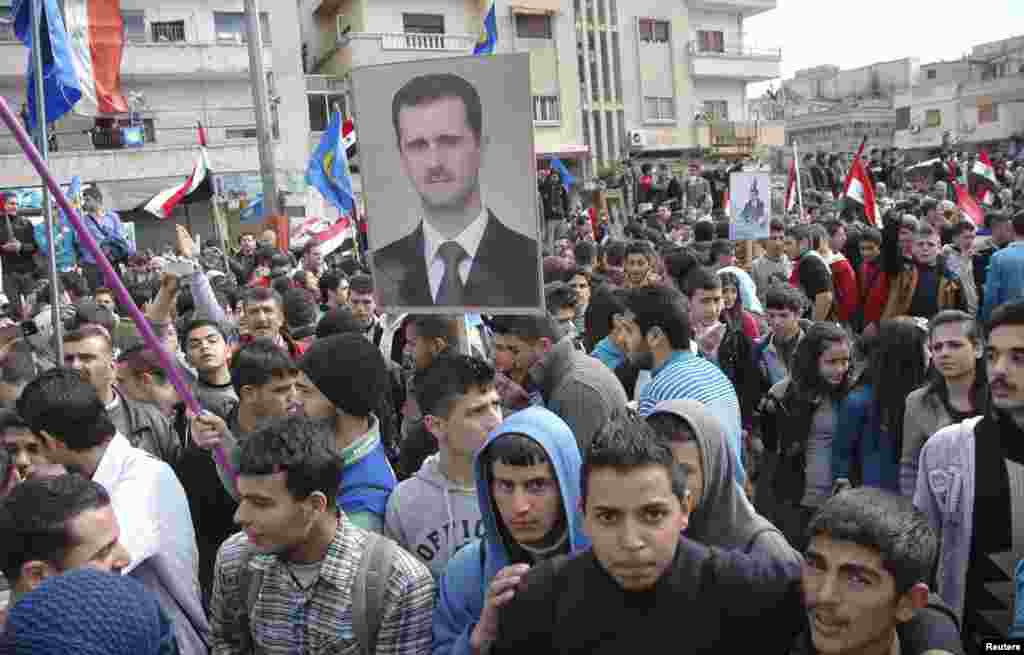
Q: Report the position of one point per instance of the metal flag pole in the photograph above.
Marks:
(796, 173)
(44, 152)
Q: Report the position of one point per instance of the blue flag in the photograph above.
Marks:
(253, 212)
(489, 34)
(567, 178)
(60, 81)
(328, 169)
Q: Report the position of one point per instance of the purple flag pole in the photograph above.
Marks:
(113, 279)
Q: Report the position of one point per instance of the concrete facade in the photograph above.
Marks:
(172, 84)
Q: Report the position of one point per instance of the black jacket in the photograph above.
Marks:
(151, 431)
(570, 604)
(21, 230)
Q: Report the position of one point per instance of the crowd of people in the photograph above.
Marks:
(817, 436)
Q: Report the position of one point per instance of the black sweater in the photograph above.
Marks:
(708, 601)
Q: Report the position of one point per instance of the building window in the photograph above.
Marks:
(422, 24)
(230, 26)
(168, 31)
(659, 109)
(240, 133)
(653, 31)
(546, 109)
(933, 118)
(134, 26)
(320, 107)
(710, 41)
(7, 25)
(932, 74)
(716, 110)
(988, 114)
(533, 26)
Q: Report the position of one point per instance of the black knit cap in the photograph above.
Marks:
(349, 370)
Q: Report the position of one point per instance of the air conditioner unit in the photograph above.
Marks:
(637, 139)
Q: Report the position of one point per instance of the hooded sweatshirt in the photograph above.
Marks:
(431, 517)
(463, 586)
(724, 516)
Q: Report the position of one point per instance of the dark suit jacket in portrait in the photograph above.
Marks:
(504, 272)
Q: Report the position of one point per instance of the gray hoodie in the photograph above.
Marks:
(724, 516)
(423, 510)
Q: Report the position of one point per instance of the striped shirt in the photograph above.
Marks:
(686, 376)
(287, 619)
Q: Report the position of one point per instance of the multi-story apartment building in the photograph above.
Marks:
(184, 61)
(974, 102)
(609, 78)
(831, 110)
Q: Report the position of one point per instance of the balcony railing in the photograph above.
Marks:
(411, 41)
(734, 50)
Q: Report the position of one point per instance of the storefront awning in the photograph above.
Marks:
(535, 7)
(564, 151)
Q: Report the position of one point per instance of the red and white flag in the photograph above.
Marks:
(96, 34)
(330, 236)
(197, 188)
(968, 205)
(791, 187)
(348, 136)
(726, 205)
(860, 190)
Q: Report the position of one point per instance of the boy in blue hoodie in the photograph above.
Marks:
(527, 483)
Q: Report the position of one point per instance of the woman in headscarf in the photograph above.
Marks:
(720, 513)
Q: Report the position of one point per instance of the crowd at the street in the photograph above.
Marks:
(809, 444)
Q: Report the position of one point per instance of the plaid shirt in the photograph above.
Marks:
(286, 620)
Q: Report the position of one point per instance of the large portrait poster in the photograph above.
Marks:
(449, 175)
(750, 205)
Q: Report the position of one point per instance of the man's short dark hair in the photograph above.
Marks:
(63, 404)
(993, 218)
(331, 281)
(585, 252)
(514, 449)
(777, 225)
(35, 518)
(627, 443)
(665, 308)
(886, 522)
(361, 283)
(448, 377)
(721, 247)
(201, 323)
(349, 371)
(429, 88)
(300, 308)
(799, 232)
(440, 326)
(339, 320)
(962, 226)
(91, 313)
(258, 362)
(702, 278)
(298, 447)
(527, 328)
(639, 247)
(559, 295)
(832, 226)
(11, 420)
(703, 231)
(615, 253)
(262, 294)
(1010, 313)
(871, 235)
(782, 296)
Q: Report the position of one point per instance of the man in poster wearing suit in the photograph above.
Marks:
(753, 211)
(460, 254)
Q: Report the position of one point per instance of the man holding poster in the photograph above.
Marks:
(460, 253)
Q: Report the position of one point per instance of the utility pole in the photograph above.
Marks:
(264, 136)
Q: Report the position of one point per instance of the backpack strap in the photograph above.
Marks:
(370, 588)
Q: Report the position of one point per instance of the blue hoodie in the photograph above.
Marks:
(461, 593)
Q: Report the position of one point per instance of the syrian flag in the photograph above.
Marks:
(791, 187)
(726, 205)
(860, 190)
(96, 35)
(983, 179)
(197, 188)
(348, 138)
(968, 205)
(329, 236)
